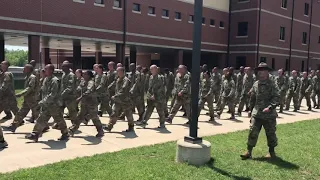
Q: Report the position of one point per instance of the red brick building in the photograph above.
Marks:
(284, 33)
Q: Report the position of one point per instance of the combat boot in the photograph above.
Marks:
(309, 108)
(33, 136)
(8, 116)
(239, 113)
(212, 119)
(271, 153)
(3, 144)
(13, 127)
(100, 132)
(85, 121)
(66, 116)
(55, 126)
(247, 155)
(31, 120)
(295, 110)
(249, 114)
(122, 116)
(100, 113)
(130, 128)
(142, 123)
(162, 126)
(169, 120)
(64, 137)
(218, 115)
(46, 129)
(108, 127)
(184, 115)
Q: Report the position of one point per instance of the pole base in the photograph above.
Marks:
(196, 154)
(193, 140)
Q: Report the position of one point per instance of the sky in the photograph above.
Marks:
(16, 48)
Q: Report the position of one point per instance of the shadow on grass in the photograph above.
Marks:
(278, 161)
(210, 164)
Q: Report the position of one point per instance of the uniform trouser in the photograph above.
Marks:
(295, 98)
(227, 101)
(244, 100)
(139, 104)
(216, 95)
(315, 94)
(117, 109)
(46, 113)
(306, 96)
(168, 95)
(104, 101)
(151, 104)
(90, 111)
(185, 102)
(282, 100)
(9, 103)
(238, 96)
(72, 108)
(172, 102)
(269, 126)
(209, 101)
(1, 135)
(27, 105)
(219, 101)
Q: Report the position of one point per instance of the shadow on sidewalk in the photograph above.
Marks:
(126, 135)
(54, 145)
(210, 164)
(91, 139)
(160, 130)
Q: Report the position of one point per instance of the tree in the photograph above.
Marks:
(16, 57)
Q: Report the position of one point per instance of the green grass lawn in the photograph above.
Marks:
(298, 153)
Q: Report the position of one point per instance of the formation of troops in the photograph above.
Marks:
(88, 95)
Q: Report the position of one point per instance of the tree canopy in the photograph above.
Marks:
(16, 57)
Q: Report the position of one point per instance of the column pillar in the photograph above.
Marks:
(120, 54)
(2, 56)
(34, 48)
(98, 57)
(133, 55)
(179, 58)
(77, 64)
(45, 55)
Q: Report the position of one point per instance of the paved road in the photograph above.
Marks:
(24, 154)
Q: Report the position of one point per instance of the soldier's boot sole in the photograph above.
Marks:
(162, 126)
(108, 128)
(310, 109)
(3, 144)
(246, 156)
(64, 137)
(169, 120)
(130, 129)
(33, 136)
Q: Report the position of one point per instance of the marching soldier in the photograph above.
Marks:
(102, 91)
(305, 89)
(316, 90)
(264, 100)
(224, 72)
(111, 79)
(216, 78)
(206, 94)
(281, 82)
(293, 91)
(239, 84)
(248, 81)
(169, 77)
(137, 90)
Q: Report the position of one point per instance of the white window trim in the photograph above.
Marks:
(165, 17)
(305, 15)
(304, 44)
(221, 27)
(242, 2)
(242, 36)
(153, 15)
(282, 40)
(177, 19)
(191, 22)
(284, 8)
(116, 8)
(203, 24)
(137, 12)
(99, 5)
(212, 25)
(78, 1)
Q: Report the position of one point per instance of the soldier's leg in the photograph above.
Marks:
(140, 107)
(116, 110)
(222, 105)
(282, 102)
(22, 113)
(172, 102)
(13, 105)
(241, 104)
(288, 101)
(301, 95)
(270, 129)
(318, 103)
(129, 115)
(8, 114)
(35, 110)
(231, 105)
(186, 105)
(42, 121)
(200, 105)
(148, 113)
(72, 108)
(175, 109)
(58, 118)
(161, 114)
(105, 105)
(255, 128)
(210, 106)
(296, 101)
(82, 114)
(92, 113)
(3, 143)
(307, 97)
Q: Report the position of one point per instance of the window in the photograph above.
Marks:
(203, 20)
(99, 1)
(117, 3)
(165, 13)
(263, 59)
(284, 4)
(306, 9)
(136, 7)
(178, 15)
(302, 66)
(240, 61)
(221, 24)
(273, 64)
(151, 10)
(243, 29)
(282, 33)
(304, 38)
(190, 18)
(212, 22)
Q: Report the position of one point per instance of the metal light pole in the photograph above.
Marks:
(195, 78)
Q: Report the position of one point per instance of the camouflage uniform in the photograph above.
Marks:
(68, 94)
(223, 77)
(305, 91)
(50, 107)
(169, 85)
(30, 102)
(7, 94)
(103, 93)
(264, 94)
(216, 80)
(316, 91)
(137, 92)
(227, 95)
(122, 102)
(282, 84)
(111, 82)
(182, 86)
(248, 81)
(239, 85)
(88, 107)
(293, 93)
(157, 91)
(206, 95)
(35, 111)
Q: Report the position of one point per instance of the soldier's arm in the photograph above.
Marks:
(309, 88)
(90, 89)
(5, 84)
(102, 83)
(112, 85)
(211, 88)
(69, 86)
(31, 87)
(252, 98)
(275, 96)
(120, 94)
(52, 96)
(233, 89)
(134, 88)
(186, 87)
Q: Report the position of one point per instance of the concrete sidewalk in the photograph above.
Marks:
(23, 154)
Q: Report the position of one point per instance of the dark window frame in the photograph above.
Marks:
(221, 24)
(242, 29)
(212, 22)
(177, 16)
(120, 3)
(304, 37)
(284, 4)
(153, 9)
(136, 7)
(263, 59)
(165, 13)
(306, 9)
(99, 1)
(192, 18)
(282, 35)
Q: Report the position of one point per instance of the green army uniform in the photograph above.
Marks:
(239, 85)
(7, 94)
(223, 77)
(316, 91)
(305, 91)
(102, 93)
(282, 85)
(155, 98)
(216, 80)
(169, 85)
(68, 94)
(3, 143)
(122, 102)
(111, 83)
(206, 96)
(228, 89)
(35, 112)
(183, 87)
(174, 92)
(88, 107)
(137, 93)
(293, 93)
(248, 81)
(29, 102)
(164, 104)
(49, 108)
